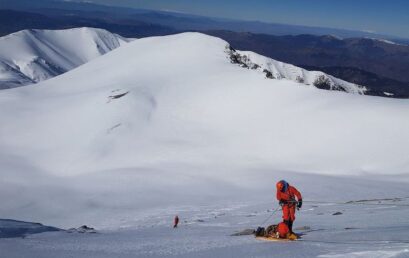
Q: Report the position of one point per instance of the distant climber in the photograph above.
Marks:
(175, 221)
(286, 195)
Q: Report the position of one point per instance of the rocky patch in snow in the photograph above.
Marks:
(83, 229)
(277, 70)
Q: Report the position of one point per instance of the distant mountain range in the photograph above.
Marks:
(380, 65)
(377, 85)
(175, 20)
(13, 21)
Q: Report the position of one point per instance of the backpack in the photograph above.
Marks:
(260, 231)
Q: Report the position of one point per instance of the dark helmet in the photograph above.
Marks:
(282, 185)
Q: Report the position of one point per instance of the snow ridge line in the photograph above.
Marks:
(278, 70)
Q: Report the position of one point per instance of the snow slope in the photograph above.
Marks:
(168, 125)
(185, 102)
(378, 229)
(31, 56)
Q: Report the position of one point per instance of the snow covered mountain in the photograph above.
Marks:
(176, 125)
(31, 56)
(160, 91)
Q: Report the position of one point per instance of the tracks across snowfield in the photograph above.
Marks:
(366, 227)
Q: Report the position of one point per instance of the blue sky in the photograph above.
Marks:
(381, 16)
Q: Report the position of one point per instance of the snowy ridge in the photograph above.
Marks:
(278, 70)
(384, 41)
(31, 56)
(43, 54)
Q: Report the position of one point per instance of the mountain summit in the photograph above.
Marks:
(31, 56)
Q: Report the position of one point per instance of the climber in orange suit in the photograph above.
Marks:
(286, 195)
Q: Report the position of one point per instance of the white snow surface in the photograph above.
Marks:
(186, 103)
(31, 56)
(168, 125)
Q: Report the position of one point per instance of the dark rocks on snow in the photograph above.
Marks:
(324, 83)
(242, 60)
(235, 58)
(269, 75)
(82, 229)
(321, 82)
(255, 67)
(118, 95)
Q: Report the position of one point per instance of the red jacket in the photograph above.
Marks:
(289, 195)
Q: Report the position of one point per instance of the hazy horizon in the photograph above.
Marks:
(374, 16)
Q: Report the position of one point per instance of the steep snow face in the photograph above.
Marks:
(279, 70)
(31, 56)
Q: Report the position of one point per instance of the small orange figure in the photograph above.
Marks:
(176, 222)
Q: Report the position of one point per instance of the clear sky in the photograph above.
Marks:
(380, 16)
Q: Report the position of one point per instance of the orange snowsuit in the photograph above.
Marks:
(288, 197)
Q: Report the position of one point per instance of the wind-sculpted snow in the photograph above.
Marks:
(31, 56)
